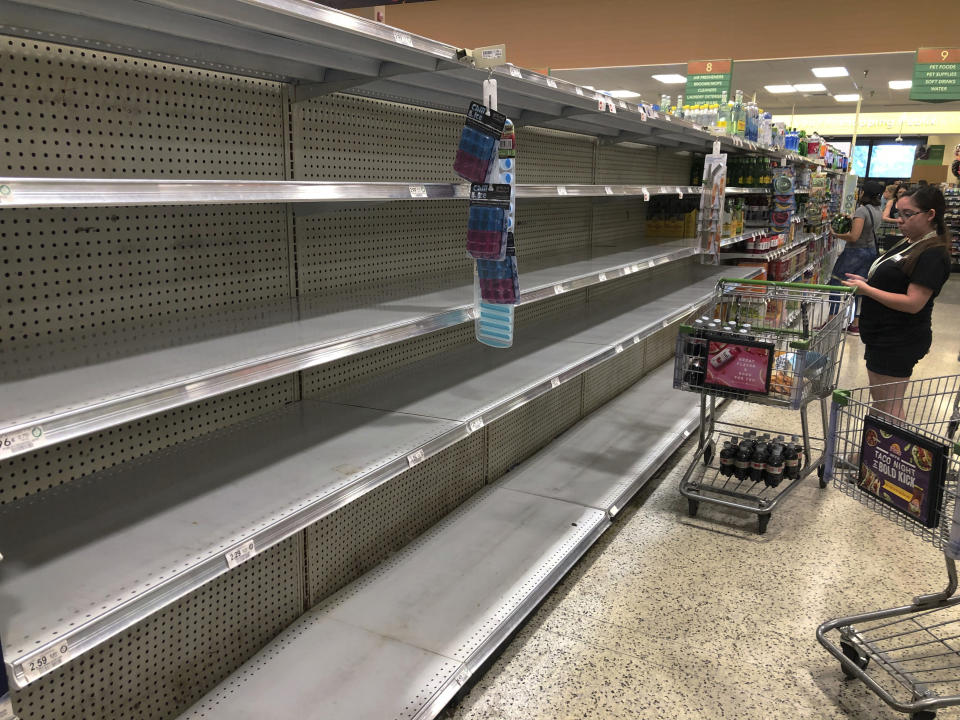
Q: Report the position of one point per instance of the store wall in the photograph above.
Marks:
(573, 33)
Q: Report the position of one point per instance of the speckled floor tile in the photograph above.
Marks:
(674, 617)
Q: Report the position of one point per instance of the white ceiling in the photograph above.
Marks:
(752, 75)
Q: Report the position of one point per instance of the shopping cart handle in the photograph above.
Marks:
(792, 286)
(841, 397)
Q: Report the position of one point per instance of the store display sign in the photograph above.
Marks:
(712, 199)
(936, 75)
(707, 80)
(903, 469)
(742, 365)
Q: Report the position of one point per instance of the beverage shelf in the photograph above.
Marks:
(126, 542)
(87, 388)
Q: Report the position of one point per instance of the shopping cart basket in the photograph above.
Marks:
(774, 343)
(905, 470)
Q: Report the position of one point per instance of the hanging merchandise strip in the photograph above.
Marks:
(479, 141)
(496, 281)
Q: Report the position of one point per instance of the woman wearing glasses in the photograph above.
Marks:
(898, 293)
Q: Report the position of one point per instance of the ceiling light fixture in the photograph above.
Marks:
(623, 93)
(900, 84)
(830, 72)
(810, 87)
(672, 79)
(852, 97)
(776, 89)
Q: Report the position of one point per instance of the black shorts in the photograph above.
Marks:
(895, 362)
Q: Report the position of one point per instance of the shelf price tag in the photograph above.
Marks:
(561, 190)
(415, 458)
(646, 195)
(612, 106)
(43, 663)
(608, 190)
(551, 83)
(664, 190)
(643, 114)
(602, 277)
(555, 383)
(623, 105)
(601, 103)
(618, 349)
(240, 554)
(558, 289)
(418, 191)
(636, 339)
(476, 424)
(6, 193)
(515, 72)
(403, 38)
(680, 193)
(579, 91)
(19, 441)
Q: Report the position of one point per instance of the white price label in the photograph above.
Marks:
(664, 190)
(623, 105)
(618, 349)
(415, 458)
(402, 38)
(665, 323)
(515, 72)
(601, 103)
(6, 193)
(635, 268)
(643, 115)
(614, 510)
(646, 195)
(6, 708)
(612, 106)
(418, 191)
(602, 277)
(680, 193)
(579, 91)
(555, 382)
(654, 114)
(551, 83)
(636, 339)
(20, 441)
(476, 424)
(561, 190)
(240, 554)
(40, 665)
(667, 118)
(608, 190)
(558, 289)
(462, 678)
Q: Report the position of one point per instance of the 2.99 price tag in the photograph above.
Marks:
(40, 665)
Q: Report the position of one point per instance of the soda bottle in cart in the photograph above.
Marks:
(728, 457)
(741, 464)
(758, 462)
(775, 465)
(791, 461)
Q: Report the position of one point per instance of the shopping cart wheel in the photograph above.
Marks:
(708, 452)
(851, 652)
(762, 522)
(692, 507)
(823, 481)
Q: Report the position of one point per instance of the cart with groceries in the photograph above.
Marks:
(773, 343)
(901, 458)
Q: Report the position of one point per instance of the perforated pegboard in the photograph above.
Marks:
(605, 382)
(618, 222)
(401, 248)
(517, 436)
(160, 666)
(552, 310)
(661, 346)
(346, 137)
(70, 273)
(554, 157)
(626, 164)
(340, 374)
(628, 286)
(673, 166)
(345, 544)
(40, 470)
(546, 228)
(69, 112)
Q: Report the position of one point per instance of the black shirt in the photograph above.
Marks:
(881, 326)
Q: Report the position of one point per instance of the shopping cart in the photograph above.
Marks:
(905, 470)
(774, 343)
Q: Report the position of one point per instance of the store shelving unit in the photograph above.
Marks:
(237, 362)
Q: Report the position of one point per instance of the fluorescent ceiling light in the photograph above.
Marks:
(779, 88)
(673, 79)
(853, 97)
(810, 87)
(830, 72)
(623, 94)
(900, 84)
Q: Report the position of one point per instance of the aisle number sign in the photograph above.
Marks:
(707, 80)
(936, 75)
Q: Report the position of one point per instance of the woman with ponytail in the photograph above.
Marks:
(898, 293)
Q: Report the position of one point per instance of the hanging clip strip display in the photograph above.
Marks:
(487, 225)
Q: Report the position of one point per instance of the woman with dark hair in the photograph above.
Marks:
(860, 247)
(898, 292)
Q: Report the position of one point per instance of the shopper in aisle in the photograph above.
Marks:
(889, 193)
(890, 211)
(860, 248)
(955, 167)
(898, 292)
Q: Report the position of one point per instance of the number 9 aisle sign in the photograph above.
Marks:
(936, 75)
(707, 80)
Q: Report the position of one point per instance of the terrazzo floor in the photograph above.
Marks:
(675, 617)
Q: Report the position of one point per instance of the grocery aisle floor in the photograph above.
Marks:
(676, 617)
